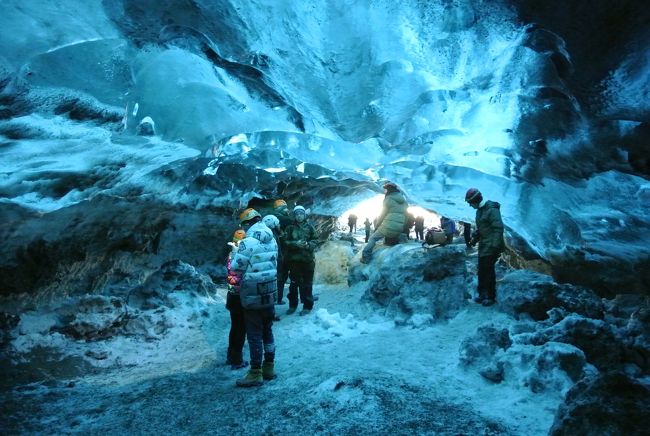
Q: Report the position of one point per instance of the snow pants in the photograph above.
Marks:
(283, 275)
(259, 331)
(237, 335)
(302, 279)
(487, 276)
(467, 233)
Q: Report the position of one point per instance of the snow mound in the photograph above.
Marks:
(325, 326)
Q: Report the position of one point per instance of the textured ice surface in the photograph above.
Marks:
(437, 97)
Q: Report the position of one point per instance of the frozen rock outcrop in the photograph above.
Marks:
(523, 291)
(415, 284)
(610, 403)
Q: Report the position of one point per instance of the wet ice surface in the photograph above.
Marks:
(343, 368)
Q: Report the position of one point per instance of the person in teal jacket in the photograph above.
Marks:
(489, 236)
(391, 221)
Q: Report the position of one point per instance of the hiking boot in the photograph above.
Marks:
(478, 299)
(488, 302)
(268, 371)
(305, 312)
(280, 303)
(240, 365)
(253, 378)
(291, 310)
(276, 318)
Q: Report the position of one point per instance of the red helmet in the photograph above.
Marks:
(473, 195)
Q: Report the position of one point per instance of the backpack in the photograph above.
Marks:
(431, 237)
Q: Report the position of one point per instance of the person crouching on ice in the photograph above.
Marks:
(256, 260)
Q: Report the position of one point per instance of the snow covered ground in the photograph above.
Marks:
(342, 369)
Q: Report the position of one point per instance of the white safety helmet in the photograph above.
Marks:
(299, 209)
(271, 221)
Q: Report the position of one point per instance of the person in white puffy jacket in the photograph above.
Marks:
(256, 259)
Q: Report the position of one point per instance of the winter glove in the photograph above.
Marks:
(233, 247)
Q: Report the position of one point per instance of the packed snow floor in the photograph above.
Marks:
(342, 369)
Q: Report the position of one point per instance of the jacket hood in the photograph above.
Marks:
(396, 196)
(261, 232)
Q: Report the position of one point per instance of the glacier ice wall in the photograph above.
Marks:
(528, 102)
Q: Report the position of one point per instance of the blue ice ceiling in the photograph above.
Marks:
(437, 96)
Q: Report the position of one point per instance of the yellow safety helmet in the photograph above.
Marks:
(238, 235)
(279, 203)
(248, 215)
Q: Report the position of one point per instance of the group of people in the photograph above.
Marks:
(265, 252)
(268, 250)
(488, 235)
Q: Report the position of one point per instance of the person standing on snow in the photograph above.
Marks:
(237, 335)
(391, 221)
(256, 260)
(367, 225)
(408, 224)
(489, 236)
(419, 228)
(352, 223)
(300, 239)
(273, 223)
(281, 211)
(467, 233)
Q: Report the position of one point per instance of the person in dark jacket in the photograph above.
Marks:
(352, 223)
(467, 233)
(367, 225)
(419, 228)
(273, 223)
(391, 221)
(489, 236)
(449, 228)
(237, 334)
(300, 240)
(280, 210)
(409, 222)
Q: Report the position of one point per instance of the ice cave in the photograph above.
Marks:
(133, 133)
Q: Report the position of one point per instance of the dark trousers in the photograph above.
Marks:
(259, 331)
(302, 279)
(283, 275)
(419, 233)
(237, 335)
(487, 276)
(367, 235)
(467, 233)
